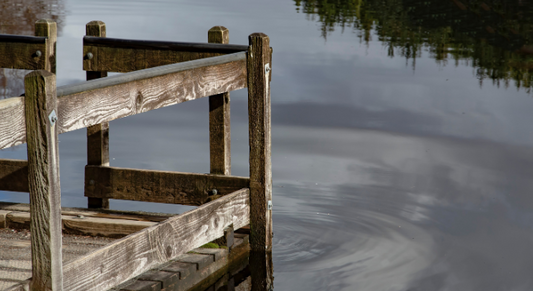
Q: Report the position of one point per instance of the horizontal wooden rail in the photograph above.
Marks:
(125, 55)
(153, 246)
(102, 100)
(158, 186)
(12, 122)
(106, 99)
(14, 175)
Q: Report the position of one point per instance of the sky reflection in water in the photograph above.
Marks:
(385, 177)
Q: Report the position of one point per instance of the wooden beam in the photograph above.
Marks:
(158, 186)
(12, 124)
(97, 135)
(126, 55)
(14, 175)
(106, 99)
(259, 67)
(20, 52)
(43, 169)
(219, 118)
(141, 251)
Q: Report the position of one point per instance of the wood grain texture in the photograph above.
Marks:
(132, 93)
(259, 65)
(43, 176)
(14, 175)
(22, 55)
(124, 55)
(12, 122)
(158, 186)
(219, 118)
(260, 141)
(107, 267)
(97, 135)
(48, 29)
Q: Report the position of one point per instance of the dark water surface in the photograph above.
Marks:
(402, 143)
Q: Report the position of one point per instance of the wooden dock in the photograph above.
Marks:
(101, 249)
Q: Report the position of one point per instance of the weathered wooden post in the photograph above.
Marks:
(97, 135)
(43, 176)
(258, 68)
(219, 117)
(48, 29)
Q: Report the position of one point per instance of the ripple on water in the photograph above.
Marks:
(339, 243)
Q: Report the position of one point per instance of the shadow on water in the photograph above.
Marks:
(19, 17)
(494, 37)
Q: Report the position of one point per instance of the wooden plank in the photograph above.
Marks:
(21, 52)
(97, 135)
(94, 226)
(106, 99)
(14, 175)
(259, 66)
(125, 55)
(101, 213)
(43, 169)
(158, 186)
(114, 227)
(219, 118)
(12, 124)
(153, 246)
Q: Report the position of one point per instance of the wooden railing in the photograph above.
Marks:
(159, 74)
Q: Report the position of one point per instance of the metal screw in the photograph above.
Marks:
(267, 68)
(38, 54)
(81, 216)
(89, 56)
(52, 117)
(214, 192)
(269, 204)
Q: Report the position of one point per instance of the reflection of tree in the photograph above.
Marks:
(19, 17)
(493, 36)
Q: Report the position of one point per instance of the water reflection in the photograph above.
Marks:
(397, 212)
(492, 36)
(19, 17)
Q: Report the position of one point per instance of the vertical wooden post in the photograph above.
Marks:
(97, 135)
(259, 67)
(219, 117)
(48, 29)
(43, 177)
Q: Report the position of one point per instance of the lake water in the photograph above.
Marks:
(401, 160)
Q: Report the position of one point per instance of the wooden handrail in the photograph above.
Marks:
(163, 45)
(102, 100)
(65, 91)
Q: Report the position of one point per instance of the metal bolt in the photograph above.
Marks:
(269, 204)
(38, 54)
(54, 119)
(89, 56)
(267, 68)
(214, 192)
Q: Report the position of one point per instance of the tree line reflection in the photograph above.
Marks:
(19, 17)
(492, 36)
